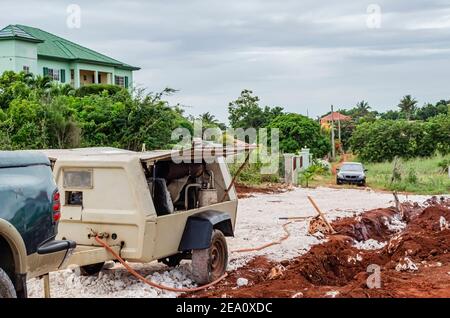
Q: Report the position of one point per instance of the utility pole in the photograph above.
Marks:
(339, 129)
(333, 148)
(339, 134)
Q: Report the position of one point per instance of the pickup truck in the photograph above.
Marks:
(29, 216)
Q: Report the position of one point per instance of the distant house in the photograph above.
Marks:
(335, 116)
(23, 48)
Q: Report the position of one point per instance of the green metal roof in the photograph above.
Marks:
(13, 32)
(53, 46)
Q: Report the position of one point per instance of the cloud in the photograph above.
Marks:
(302, 55)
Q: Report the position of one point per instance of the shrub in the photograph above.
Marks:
(412, 176)
(308, 174)
(36, 113)
(383, 140)
(97, 89)
(444, 165)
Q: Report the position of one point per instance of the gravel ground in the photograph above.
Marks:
(257, 224)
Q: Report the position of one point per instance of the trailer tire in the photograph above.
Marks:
(210, 263)
(6, 286)
(93, 269)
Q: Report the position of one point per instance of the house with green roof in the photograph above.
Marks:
(32, 50)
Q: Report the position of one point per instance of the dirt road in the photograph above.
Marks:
(257, 224)
(411, 259)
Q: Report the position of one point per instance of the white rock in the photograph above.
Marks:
(406, 265)
(332, 293)
(443, 224)
(118, 284)
(394, 224)
(369, 244)
(242, 281)
(357, 258)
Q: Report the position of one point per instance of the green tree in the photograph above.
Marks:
(438, 129)
(391, 114)
(383, 140)
(297, 131)
(151, 120)
(31, 124)
(210, 121)
(362, 108)
(38, 113)
(407, 106)
(429, 110)
(245, 112)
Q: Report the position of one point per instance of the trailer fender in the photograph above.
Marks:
(199, 227)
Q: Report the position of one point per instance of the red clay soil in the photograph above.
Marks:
(338, 268)
(371, 224)
(244, 191)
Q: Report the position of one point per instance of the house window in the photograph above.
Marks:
(53, 74)
(120, 80)
(26, 69)
(72, 75)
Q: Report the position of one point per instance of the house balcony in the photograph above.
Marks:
(88, 77)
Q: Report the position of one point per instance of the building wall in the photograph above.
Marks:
(15, 54)
(26, 55)
(7, 56)
(124, 73)
(55, 65)
(95, 67)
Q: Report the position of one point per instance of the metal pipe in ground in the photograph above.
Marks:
(47, 286)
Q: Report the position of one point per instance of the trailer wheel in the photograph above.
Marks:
(93, 269)
(210, 263)
(6, 286)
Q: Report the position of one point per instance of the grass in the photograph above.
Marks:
(251, 175)
(418, 176)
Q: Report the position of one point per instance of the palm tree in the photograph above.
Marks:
(407, 106)
(57, 89)
(38, 82)
(209, 119)
(362, 108)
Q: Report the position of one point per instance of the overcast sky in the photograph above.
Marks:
(302, 55)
